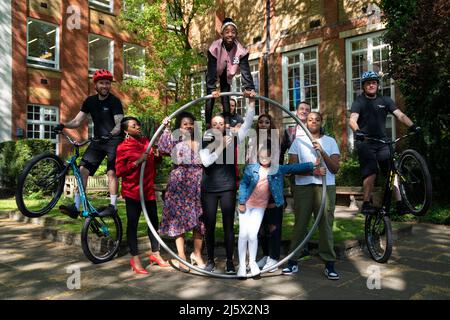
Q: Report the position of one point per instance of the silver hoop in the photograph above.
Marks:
(173, 254)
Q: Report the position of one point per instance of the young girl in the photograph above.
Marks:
(182, 205)
(226, 57)
(130, 154)
(261, 180)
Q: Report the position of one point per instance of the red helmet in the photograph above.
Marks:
(102, 74)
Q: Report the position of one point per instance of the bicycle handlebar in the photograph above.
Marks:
(80, 144)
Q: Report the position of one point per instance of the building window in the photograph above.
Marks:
(105, 5)
(101, 53)
(300, 78)
(198, 85)
(40, 121)
(42, 44)
(133, 61)
(364, 53)
(237, 86)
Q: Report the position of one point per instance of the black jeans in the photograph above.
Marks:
(210, 201)
(270, 232)
(134, 210)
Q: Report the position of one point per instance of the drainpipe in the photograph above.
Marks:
(266, 55)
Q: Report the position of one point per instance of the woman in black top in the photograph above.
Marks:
(219, 184)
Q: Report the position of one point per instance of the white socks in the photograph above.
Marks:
(114, 200)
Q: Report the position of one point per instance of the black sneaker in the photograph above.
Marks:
(292, 268)
(230, 267)
(402, 209)
(109, 211)
(330, 272)
(71, 210)
(210, 266)
(368, 209)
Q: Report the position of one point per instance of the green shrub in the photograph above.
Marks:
(349, 173)
(15, 154)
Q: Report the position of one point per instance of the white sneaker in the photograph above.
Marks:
(254, 269)
(262, 262)
(242, 272)
(271, 262)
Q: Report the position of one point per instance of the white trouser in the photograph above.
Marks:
(249, 223)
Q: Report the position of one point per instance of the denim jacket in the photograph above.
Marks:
(276, 180)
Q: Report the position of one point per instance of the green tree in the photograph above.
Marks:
(418, 32)
(165, 25)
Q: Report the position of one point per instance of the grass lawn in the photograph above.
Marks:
(343, 229)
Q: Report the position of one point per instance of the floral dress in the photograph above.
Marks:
(182, 204)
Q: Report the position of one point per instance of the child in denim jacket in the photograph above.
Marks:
(260, 180)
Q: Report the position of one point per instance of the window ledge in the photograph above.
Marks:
(34, 66)
(103, 11)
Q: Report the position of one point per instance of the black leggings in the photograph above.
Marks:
(210, 202)
(134, 210)
(209, 104)
(270, 232)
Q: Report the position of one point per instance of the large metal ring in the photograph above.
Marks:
(173, 254)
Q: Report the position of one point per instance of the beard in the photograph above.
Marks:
(100, 92)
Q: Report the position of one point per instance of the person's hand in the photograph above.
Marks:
(317, 146)
(58, 128)
(166, 121)
(359, 135)
(414, 128)
(215, 93)
(249, 93)
(227, 141)
(319, 171)
(242, 208)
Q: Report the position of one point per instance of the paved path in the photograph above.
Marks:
(32, 268)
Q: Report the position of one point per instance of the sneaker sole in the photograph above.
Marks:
(331, 277)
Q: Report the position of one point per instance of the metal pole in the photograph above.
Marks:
(266, 56)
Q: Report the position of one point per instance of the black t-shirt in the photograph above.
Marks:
(102, 113)
(235, 119)
(373, 114)
(221, 175)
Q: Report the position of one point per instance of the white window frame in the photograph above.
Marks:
(234, 88)
(110, 56)
(41, 122)
(202, 82)
(142, 69)
(390, 121)
(285, 65)
(56, 60)
(101, 6)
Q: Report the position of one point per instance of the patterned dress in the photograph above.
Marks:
(182, 204)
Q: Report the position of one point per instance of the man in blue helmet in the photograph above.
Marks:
(368, 118)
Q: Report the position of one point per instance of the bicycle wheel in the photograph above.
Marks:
(40, 185)
(378, 232)
(101, 237)
(415, 182)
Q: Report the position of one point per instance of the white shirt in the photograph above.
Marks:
(303, 148)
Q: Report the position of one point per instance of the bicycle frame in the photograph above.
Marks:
(393, 173)
(88, 208)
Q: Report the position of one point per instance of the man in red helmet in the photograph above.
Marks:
(106, 112)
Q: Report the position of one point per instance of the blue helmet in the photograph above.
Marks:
(370, 75)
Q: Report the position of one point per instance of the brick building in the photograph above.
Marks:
(316, 51)
(50, 48)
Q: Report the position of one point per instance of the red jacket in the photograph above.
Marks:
(127, 152)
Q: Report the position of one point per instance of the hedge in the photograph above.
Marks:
(15, 154)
